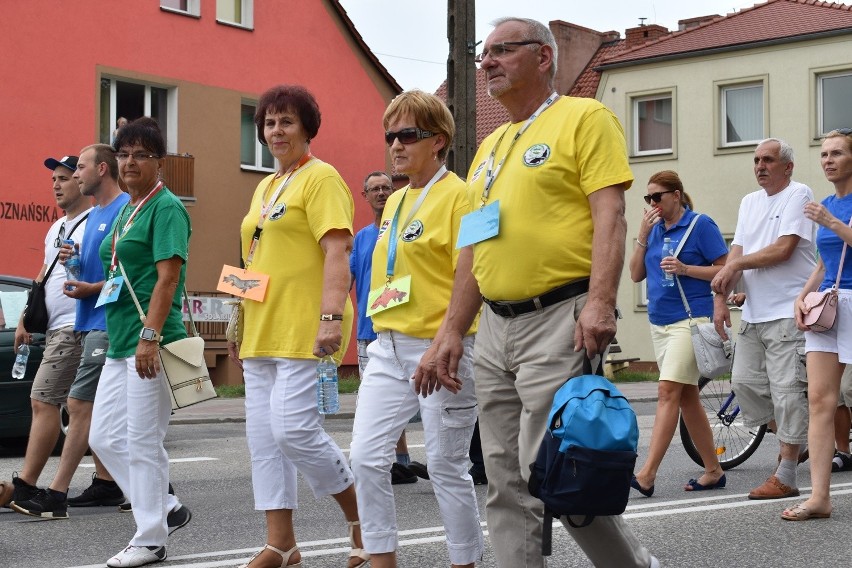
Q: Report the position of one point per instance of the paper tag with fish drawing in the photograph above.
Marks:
(243, 283)
(389, 296)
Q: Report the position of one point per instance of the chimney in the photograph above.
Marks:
(695, 22)
(641, 34)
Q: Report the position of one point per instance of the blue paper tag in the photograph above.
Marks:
(109, 293)
(480, 225)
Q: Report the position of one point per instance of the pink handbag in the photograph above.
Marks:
(821, 307)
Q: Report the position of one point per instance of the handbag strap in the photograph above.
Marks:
(139, 306)
(842, 259)
(677, 252)
(56, 258)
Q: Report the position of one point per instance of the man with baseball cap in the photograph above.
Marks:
(62, 345)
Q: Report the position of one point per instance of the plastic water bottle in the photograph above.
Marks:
(19, 369)
(328, 401)
(72, 264)
(668, 277)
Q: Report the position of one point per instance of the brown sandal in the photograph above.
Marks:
(285, 557)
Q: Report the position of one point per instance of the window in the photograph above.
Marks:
(188, 7)
(131, 100)
(652, 125)
(834, 92)
(742, 115)
(237, 12)
(253, 154)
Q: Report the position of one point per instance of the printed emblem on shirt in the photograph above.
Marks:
(102, 227)
(385, 224)
(278, 211)
(536, 155)
(413, 231)
(478, 171)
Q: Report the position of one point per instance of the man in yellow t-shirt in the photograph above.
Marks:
(556, 177)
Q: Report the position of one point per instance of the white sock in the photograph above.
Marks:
(786, 472)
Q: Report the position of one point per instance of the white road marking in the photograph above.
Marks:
(328, 547)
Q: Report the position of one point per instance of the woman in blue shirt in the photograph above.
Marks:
(828, 352)
(702, 255)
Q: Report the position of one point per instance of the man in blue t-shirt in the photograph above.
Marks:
(377, 187)
(97, 175)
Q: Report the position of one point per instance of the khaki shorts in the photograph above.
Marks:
(769, 377)
(58, 367)
(674, 352)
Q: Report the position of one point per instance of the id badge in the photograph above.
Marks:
(110, 291)
(479, 225)
(243, 283)
(391, 295)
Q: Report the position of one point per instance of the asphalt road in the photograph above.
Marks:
(211, 474)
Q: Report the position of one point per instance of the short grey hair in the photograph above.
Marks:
(536, 31)
(376, 173)
(785, 151)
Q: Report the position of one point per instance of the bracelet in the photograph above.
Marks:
(641, 244)
(331, 317)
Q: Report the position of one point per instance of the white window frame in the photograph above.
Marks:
(723, 89)
(257, 166)
(171, 106)
(193, 8)
(821, 128)
(635, 100)
(246, 16)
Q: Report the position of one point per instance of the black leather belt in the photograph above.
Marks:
(560, 294)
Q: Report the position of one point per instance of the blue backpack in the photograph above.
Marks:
(586, 459)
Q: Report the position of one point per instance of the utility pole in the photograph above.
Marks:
(461, 82)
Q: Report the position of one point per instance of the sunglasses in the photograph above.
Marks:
(844, 131)
(407, 136)
(655, 197)
(57, 242)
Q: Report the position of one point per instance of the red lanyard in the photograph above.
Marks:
(129, 222)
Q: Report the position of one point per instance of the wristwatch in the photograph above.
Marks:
(149, 334)
(331, 317)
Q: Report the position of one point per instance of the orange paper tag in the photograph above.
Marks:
(243, 283)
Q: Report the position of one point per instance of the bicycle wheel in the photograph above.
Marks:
(734, 442)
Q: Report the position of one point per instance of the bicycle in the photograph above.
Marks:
(734, 442)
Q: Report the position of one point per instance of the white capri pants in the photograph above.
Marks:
(129, 422)
(386, 402)
(285, 434)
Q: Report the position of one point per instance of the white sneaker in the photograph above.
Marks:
(654, 562)
(137, 556)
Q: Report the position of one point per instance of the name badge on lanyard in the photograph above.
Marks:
(479, 225)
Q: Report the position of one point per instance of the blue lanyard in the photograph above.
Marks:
(393, 236)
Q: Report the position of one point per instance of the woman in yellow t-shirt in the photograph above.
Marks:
(298, 232)
(413, 267)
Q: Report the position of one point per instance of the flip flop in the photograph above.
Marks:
(634, 483)
(693, 485)
(802, 513)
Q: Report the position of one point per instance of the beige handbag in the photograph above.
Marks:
(182, 362)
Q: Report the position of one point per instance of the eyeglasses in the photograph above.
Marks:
(381, 188)
(407, 136)
(137, 156)
(845, 131)
(655, 197)
(498, 50)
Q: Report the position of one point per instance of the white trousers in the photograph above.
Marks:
(285, 434)
(386, 402)
(129, 422)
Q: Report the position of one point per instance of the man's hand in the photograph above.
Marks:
(439, 366)
(595, 328)
(22, 336)
(721, 316)
(721, 283)
(81, 290)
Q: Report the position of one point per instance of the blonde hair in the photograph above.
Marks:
(429, 113)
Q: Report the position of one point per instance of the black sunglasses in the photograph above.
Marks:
(655, 197)
(57, 242)
(407, 135)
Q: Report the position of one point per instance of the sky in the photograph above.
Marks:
(410, 36)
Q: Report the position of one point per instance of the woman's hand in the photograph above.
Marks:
(671, 265)
(234, 353)
(818, 213)
(799, 313)
(147, 359)
(650, 217)
(329, 338)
